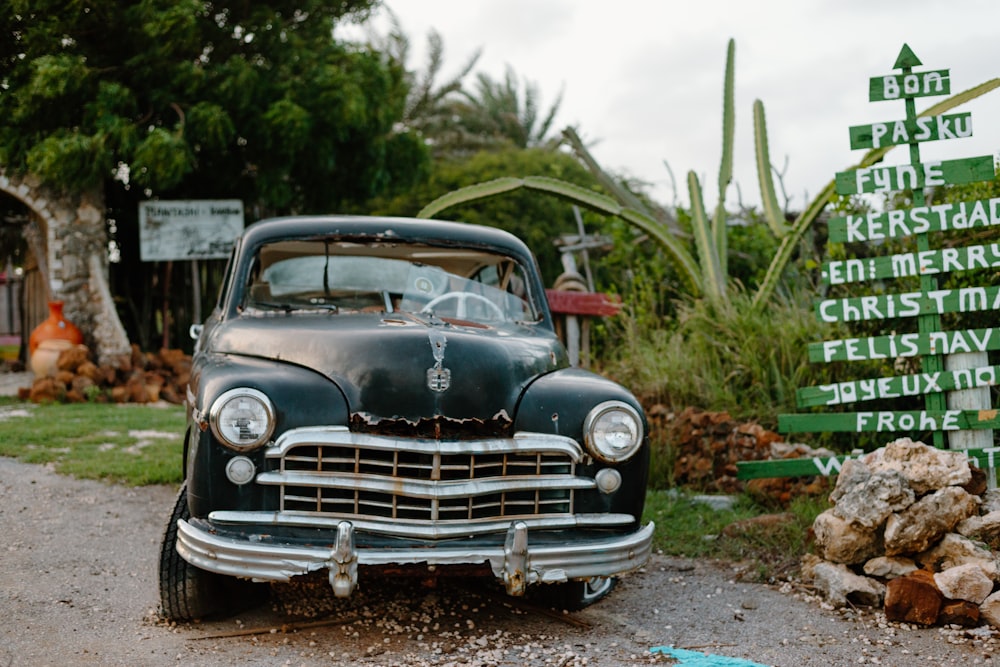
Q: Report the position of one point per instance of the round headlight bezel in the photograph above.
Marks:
(217, 417)
(594, 431)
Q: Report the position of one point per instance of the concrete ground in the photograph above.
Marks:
(11, 382)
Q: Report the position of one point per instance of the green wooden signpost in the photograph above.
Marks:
(972, 215)
(931, 301)
(927, 304)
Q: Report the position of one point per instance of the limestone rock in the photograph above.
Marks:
(841, 542)
(989, 610)
(841, 586)
(913, 598)
(964, 582)
(924, 522)
(985, 528)
(991, 501)
(866, 499)
(925, 468)
(889, 567)
(954, 550)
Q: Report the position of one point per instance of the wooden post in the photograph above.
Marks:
(977, 398)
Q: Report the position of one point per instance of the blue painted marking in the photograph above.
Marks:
(696, 659)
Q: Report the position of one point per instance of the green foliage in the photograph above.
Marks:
(130, 444)
(161, 160)
(251, 101)
(692, 529)
(74, 158)
(725, 356)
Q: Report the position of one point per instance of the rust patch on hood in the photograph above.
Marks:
(436, 428)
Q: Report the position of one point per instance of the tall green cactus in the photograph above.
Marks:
(711, 237)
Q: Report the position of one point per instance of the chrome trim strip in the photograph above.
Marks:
(415, 488)
(340, 435)
(419, 529)
(281, 562)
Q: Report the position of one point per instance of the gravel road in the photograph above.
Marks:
(78, 587)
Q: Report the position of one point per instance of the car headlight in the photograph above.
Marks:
(613, 431)
(242, 418)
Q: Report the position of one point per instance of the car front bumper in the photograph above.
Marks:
(518, 563)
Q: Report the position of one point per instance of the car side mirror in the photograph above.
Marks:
(195, 331)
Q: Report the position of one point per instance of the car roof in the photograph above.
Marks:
(386, 228)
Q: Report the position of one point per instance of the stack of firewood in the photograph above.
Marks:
(139, 377)
(707, 445)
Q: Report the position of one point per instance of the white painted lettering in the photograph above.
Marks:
(862, 420)
(879, 130)
(903, 265)
(910, 302)
(971, 299)
(830, 349)
(890, 87)
(933, 174)
(924, 126)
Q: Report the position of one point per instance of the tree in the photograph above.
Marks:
(255, 101)
(456, 122)
(500, 111)
(190, 99)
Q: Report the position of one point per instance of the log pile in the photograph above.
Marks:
(707, 445)
(915, 529)
(139, 377)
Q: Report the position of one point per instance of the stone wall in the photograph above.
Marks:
(71, 244)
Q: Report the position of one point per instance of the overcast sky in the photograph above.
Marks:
(643, 78)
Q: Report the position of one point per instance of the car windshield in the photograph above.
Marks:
(459, 284)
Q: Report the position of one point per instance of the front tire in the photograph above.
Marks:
(187, 592)
(575, 595)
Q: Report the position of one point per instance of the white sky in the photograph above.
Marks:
(643, 78)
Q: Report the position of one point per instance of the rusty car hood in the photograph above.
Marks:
(400, 368)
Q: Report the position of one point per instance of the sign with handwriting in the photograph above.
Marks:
(927, 304)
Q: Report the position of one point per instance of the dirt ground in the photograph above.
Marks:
(78, 586)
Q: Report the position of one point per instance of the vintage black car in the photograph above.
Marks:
(376, 394)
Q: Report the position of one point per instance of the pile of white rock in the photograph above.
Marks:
(914, 528)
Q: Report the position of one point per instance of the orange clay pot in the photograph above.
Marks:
(54, 328)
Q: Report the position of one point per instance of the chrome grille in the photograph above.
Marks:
(336, 473)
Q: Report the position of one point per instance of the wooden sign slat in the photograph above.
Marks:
(917, 384)
(595, 304)
(909, 304)
(917, 220)
(889, 421)
(830, 465)
(905, 345)
(909, 85)
(925, 128)
(904, 265)
(915, 176)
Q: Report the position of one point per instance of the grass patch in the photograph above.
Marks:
(122, 443)
(771, 544)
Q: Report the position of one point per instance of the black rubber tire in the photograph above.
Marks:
(575, 595)
(187, 592)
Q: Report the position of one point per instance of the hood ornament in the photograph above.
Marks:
(438, 377)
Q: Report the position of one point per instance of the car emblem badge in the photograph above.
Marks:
(438, 377)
